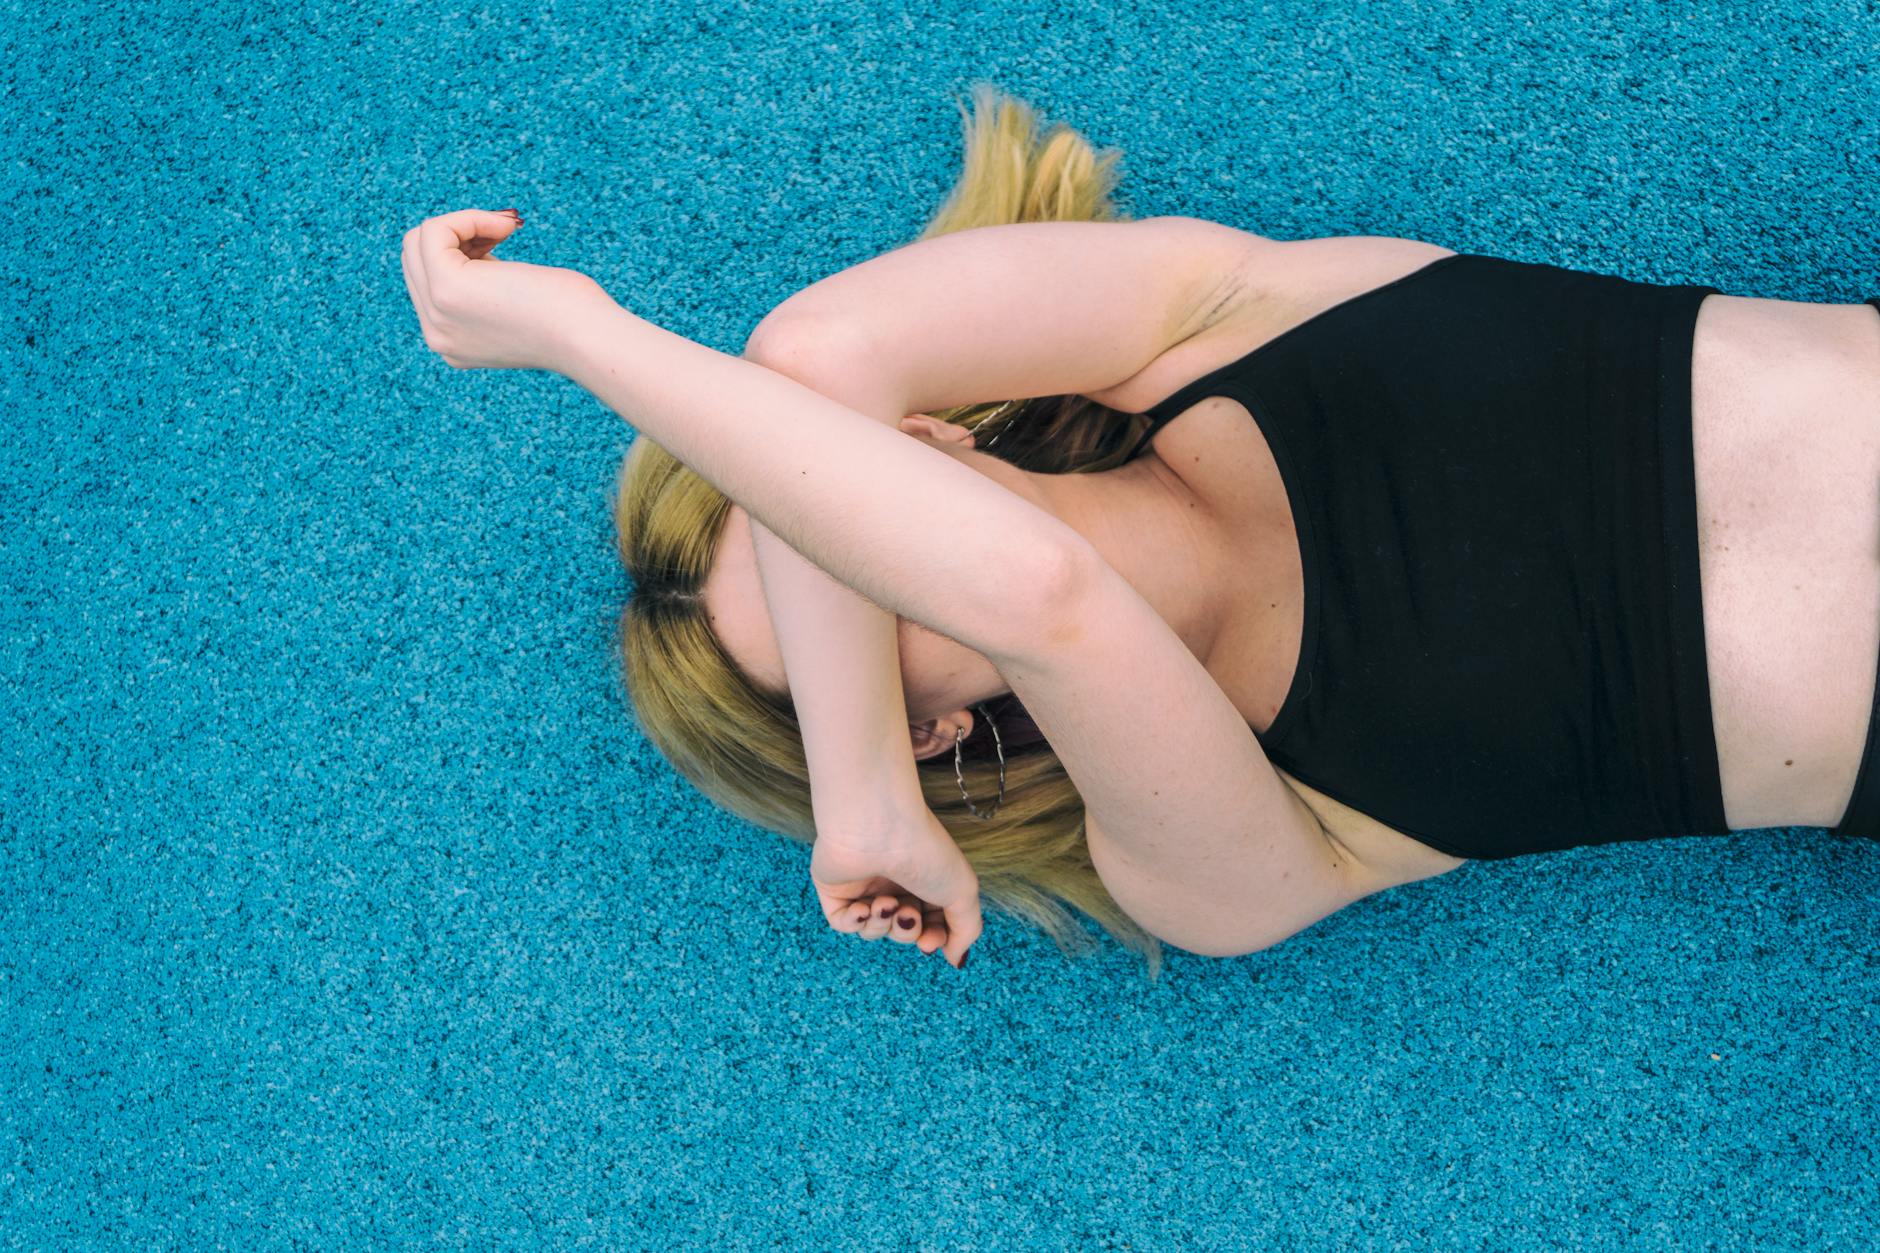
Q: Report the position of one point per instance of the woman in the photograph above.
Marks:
(1418, 557)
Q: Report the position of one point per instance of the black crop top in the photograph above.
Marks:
(1490, 470)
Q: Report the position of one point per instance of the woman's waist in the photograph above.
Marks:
(1786, 442)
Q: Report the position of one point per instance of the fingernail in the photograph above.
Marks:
(904, 923)
(887, 911)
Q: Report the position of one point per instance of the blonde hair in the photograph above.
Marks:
(741, 746)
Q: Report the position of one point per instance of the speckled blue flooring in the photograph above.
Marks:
(343, 906)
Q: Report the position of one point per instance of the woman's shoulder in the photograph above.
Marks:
(1304, 277)
(1282, 284)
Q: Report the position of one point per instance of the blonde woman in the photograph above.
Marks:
(1216, 582)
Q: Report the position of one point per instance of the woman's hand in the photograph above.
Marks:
(907, 879)
(481, 313)
(902, 876)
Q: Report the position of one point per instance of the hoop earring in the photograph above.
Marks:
(995, 435)
(959, 739)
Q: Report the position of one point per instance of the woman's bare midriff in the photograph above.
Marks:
(1786, 443)
(1785, 417)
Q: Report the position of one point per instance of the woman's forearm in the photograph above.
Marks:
(840, 650)
(905, 525)
(841, 657)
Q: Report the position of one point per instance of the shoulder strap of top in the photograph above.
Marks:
(1164, 411)
(1213, 383)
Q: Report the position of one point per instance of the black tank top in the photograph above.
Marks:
(1490, 471)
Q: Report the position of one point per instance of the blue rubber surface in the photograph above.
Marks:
(343, 907)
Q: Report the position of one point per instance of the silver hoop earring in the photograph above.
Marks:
(959, 739)
(996, 434)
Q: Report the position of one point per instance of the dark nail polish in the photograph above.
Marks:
(905, 923)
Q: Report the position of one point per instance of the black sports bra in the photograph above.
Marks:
(1489, 467)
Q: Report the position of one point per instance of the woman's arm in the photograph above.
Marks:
(840, 651)
(854, 496)
(841, 657)
(1188, 824)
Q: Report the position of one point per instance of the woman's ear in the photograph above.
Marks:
(922, 424)
(938, 735)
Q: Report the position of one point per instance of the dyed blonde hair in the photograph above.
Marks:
(742, 747)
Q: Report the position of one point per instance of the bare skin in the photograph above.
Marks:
(1786, 441)
(942, 678)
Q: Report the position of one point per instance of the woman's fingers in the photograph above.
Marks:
(414, 282)
(918, 924)
(933, 931)
(963, 924)
(906, 920)
(906, 924)
(478, 248)
(441, 239)
(881, 910)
